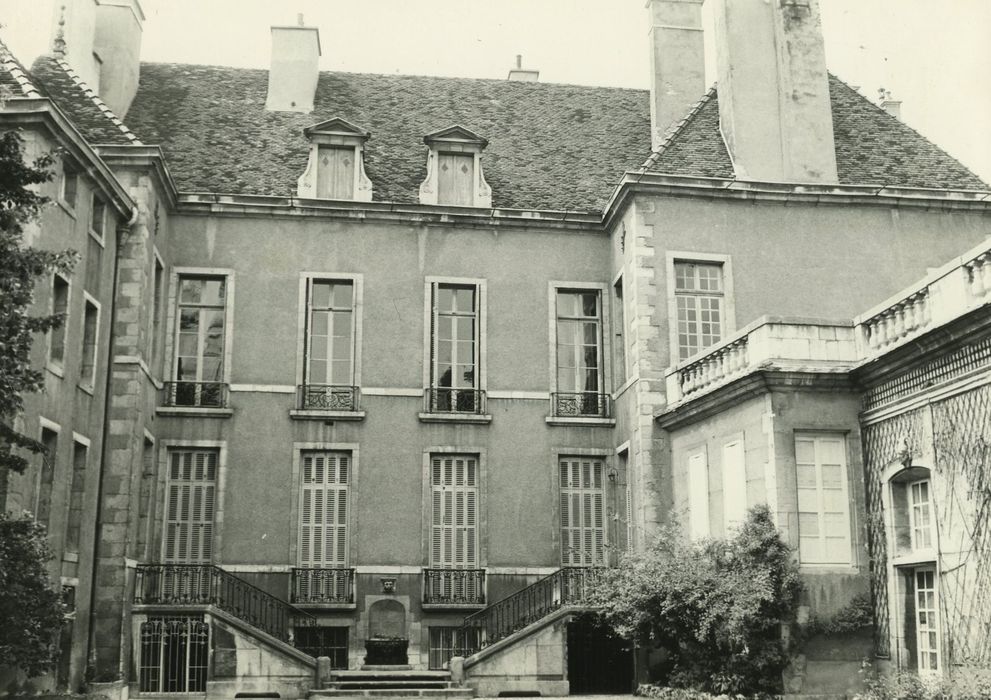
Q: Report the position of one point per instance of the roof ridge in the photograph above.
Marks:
(13, 67)
(675, 129)
(100, 104)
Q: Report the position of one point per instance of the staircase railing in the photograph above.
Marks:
(206, 584)
(565, 587)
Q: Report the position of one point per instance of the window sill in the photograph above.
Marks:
(70, 556)
(309, 414)
(98, 238)
(825, 569)
(477, 418)
(581, 420)
(55, 369)
(194, 412)
(453, 606)
(325, 606)
(88, 388)
(66, 207)
(921, 556)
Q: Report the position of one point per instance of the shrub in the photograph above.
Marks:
(713, 608)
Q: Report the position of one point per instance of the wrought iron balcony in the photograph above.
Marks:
(196, 394)
(328, 397)
(322, 585)
(454, 586)
(449, 400)
(180, 585)
(581, 404)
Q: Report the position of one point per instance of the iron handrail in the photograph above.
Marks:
(442, 399)
(454, 586)
(581, 404)
(317, 585)
(328, 397)
(182, 393)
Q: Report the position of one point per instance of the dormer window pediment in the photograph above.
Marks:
(335, 168)
(454, 169)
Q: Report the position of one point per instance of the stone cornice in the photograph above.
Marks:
(146, 158)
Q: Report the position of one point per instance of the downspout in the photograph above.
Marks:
(121, 237)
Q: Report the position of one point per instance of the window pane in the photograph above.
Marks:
(320, 296)
(343, 293)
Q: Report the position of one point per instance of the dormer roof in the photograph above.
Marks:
(455, 134)
(336, 127)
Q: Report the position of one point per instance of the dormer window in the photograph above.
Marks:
(454, 169)
(335, 168)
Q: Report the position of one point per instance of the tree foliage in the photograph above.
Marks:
(711, 610)
(20, 267)
(31, 609)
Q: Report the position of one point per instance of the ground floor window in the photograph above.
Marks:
(174, 654)
(331, 642)
(927, 619)
(447, 642)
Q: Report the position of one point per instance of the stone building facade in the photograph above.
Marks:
(391, 357)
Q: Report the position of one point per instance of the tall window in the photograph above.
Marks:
(46, 477)
(77, 493)
(60, 307)
(698, 495)
(454, 511)
(157, 277)
(91, 328)
(69, 186)
(190, 506)
(927, 613)
(920, 515)
(582, 520)
(619, 342)
(335, 174)
(98, 217)
(579, 354)
(330, 332)
(94, 264)
(698, 290)
(734, 484)
(456, 178)
(823, 502)
(199, 357)
(323, 509)
(454, 348)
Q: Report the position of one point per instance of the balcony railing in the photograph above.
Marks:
(454, 586)
(328, 397)
(580, 404)
(565, 587)
(204, 584)
(448, 400)
(322, 585)
(196, 394)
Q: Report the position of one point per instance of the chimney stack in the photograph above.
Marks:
(117, 43)
(73, 31)
(524, 75)
(892, 107)
(774, 107)
(677, 63)
(292, 78)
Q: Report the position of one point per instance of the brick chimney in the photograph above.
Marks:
(521, 74)
(774, 107)
(117, 42)
(292, 78)
(677, 62)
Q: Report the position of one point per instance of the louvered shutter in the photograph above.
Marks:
(191, 504)
(454, 505)
(698, 495)
(323, 510)
(582, 516)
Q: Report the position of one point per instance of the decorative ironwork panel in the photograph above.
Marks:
(941, 369)
(454, 586)
(196, 394)
(331, 642)
(326, 397)
(881, 446)
(447, 400)
(448, 642)
(583, 404)
(322, 585)
(174, 654)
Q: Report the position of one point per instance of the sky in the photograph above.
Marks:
(934, 56)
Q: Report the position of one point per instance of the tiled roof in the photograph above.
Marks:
(872, 147)
(14, 77)
(562, 147)
(97, 123)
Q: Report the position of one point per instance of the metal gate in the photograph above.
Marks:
(174, 655)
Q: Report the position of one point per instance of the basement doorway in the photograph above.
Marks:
(599, 662)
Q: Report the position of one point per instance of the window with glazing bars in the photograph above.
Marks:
(191, 494)
(582, 519)
(454, 347)
(60, 307)
(579, 347)
(200, 340)
(698, 289)
(323, 509)
(920, 514)
(454, 511)
(330, 332)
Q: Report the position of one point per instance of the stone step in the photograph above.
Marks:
(378, 683)
(390, 673)
(382, 693)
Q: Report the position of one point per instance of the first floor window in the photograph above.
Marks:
(823, 502)
(920, 514)
(200, 329)
(698, 291)
(330, 332)
(579, 353)
(60, 307)
(454, 511)
(323, 509)
(454, 348)
(91, 328)
(190, 506)
(582, 519)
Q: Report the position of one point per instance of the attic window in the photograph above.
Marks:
(335, 167)
(454, 169)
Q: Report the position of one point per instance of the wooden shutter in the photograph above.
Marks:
(454, 511)
(335, 172)
(698, 495)
(191, 505)
(456, 178)
(582, 518)
(823, 503)
(734, 485)
(323, 510)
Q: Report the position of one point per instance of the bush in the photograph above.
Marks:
(30, 607)
(855, 616)
(713, 609)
